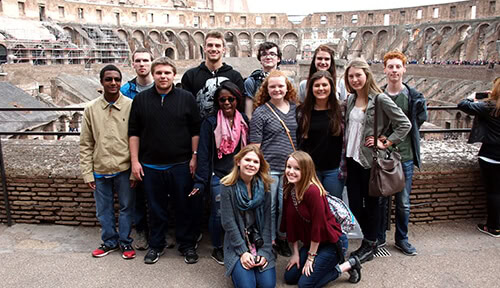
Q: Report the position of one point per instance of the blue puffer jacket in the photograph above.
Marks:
(129, 89)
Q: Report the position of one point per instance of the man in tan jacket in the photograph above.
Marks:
(105, 162)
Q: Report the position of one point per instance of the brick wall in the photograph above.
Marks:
(44, 185)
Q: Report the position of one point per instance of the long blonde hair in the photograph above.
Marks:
(263, 173)
(370, 86)
(262, 96)
(307, 176)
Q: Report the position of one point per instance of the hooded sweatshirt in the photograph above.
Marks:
(202, 83)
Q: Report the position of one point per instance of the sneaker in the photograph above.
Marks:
(381, 243)
(406, 248)
(103, 250)
(140, 242)
(128, 252)
(218, 255)
(486, 230)
(190, 256)
(366, 251)
(355, 271)
(152, 256)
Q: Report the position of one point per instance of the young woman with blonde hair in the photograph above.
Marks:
(246, 218)
(392, 127)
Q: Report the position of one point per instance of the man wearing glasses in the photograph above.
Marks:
(269, 55)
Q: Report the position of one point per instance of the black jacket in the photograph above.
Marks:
(202, 83)
(489, 124)
(207, 153)
(165, 127)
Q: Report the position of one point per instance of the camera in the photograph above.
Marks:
(254, 236)
(482, 95)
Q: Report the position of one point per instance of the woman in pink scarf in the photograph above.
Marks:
(222, 136)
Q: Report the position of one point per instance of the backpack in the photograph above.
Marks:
(342, 213)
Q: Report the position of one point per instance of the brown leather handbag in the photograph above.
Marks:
(386, 175)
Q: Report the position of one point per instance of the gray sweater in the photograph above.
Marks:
(233, 224)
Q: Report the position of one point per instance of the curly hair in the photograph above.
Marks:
(394, 55)
(262, 96)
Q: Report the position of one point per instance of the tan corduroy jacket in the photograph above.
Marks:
(104, 138)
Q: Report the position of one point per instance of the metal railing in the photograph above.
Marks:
(64, 133)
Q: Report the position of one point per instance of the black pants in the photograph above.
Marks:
(490, 173)
(365, 208)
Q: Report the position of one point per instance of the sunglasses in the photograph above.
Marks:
(224, 99)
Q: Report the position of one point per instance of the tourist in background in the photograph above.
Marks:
(392, 127)
(105, 162)
(307, 218)
(246, 218)
(273, 128)
(412, 103)
(221, 137)
(487, 131)
(320, 130)
(141, 62)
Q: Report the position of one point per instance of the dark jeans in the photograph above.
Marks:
(140, 213)
(177, 183)
(214, 222)
(365, 208)
(324, 267)
(402, 208)
(489, 174)
(253, 278)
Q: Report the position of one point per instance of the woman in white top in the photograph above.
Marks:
(392, 127)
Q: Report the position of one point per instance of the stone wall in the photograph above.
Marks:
(44, 184)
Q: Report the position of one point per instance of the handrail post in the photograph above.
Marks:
(4, 184)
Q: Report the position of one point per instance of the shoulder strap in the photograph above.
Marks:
(295, 204)
(375, 134)
(282, 123)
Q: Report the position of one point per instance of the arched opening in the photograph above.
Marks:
(170, 36)
(290, 52)
(445, 30)
(155, 36)
(463, 31)
(3, 54)
(139, 37)
(274, 37)
(367, 36)
(170, 53)
(230, 46)
(428, 33)
(123, 35)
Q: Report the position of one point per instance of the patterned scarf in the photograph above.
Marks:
(227, 137)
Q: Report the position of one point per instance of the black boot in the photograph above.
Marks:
(366, 251)
(355, 272)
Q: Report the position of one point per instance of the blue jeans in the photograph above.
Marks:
(104, 203)
(214, 222)
(276, 203)
(331, 182)
(324, 267)
(175, 183)
(253, 277)
(402, 208)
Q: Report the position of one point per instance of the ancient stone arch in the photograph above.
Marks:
(199, 37)
(3, 54)
(258, 38)
(464, 31)
(367, 36)
(428, 33)
(274, 37)
(481, 29)
(353, 35)
(170, 53)
(155, 35)
(245, 44)
(139, 36)
(184, 36)
(290, 52)
(445, 30)
(170, 35)
(291, 36)
(122, 34)
(231, 45)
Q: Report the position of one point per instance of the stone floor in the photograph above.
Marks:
(450, 254)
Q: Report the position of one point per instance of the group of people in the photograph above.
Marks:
(261, 152)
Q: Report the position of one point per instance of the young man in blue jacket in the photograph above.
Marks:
(413, 105)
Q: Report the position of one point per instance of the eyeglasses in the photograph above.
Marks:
(271, 54)
(224, 99)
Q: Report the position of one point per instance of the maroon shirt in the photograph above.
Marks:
(323, 226)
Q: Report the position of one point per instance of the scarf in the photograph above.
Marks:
(244, 203)
(227, 138)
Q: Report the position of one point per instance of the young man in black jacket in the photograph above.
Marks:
(413, 105)
(202, 81)
(164, 129)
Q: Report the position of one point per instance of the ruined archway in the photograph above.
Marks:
(289, 52)
(169, 35)
(464, 32)
(245, 45)
(184, 36)
(155, 36)
(230, 44)
(429, 33)
(138, 36)
(445, 30)
(274, 37)
(3, 54)
(123, 35)
(258, 38)
(291, 38)
(170, 53)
